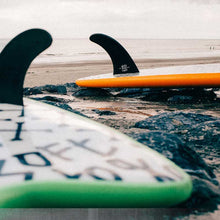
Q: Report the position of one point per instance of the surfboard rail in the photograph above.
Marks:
(205, 80)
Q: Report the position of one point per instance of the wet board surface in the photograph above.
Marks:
(204, 75)
(54, 158)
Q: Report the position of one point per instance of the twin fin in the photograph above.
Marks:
(122, 61)
(18, 54)
(15, 59)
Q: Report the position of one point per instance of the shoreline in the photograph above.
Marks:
(40, 74)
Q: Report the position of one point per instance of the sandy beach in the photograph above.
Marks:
(60, 73)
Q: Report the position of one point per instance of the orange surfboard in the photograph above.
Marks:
(159, 77)
(126, 73)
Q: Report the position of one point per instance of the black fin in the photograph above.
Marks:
(15, 59)
(122, 62)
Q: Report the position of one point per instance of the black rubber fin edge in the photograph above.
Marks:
(15, 60)
(122, 61)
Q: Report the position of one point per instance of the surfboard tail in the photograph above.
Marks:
(16, 58)
(122, 61)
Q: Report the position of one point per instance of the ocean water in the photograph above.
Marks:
(79, 50)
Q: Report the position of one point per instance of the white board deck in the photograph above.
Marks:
(186, 69)
(57, 144)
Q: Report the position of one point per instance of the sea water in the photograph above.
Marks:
(79, 50)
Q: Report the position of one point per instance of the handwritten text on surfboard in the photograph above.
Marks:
(43, 143)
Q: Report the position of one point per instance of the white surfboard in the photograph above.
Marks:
(50, 157)
(44, 144)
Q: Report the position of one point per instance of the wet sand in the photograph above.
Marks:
(60, 73)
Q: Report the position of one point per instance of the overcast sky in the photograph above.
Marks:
(119, 18)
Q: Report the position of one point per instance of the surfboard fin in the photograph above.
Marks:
(16, 58)
(122, 61)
